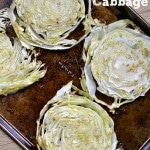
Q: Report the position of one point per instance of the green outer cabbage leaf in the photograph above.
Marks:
(18, 66)
(71, 121)
(117, 62)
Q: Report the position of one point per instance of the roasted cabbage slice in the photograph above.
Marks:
(73, 122)
(48, 23)
(117, 63)
(18, 66)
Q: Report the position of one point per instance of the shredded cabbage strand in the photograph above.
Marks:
(4, 19)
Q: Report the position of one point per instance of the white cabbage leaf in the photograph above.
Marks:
(18, 66)
(117, 63)
(48, 23)
(72, 121)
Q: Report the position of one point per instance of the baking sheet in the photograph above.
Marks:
(21, 110)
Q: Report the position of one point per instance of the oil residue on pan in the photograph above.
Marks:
(22, 109)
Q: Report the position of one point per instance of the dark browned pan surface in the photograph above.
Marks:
(132, 123)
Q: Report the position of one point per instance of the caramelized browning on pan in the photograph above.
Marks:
(22, 109)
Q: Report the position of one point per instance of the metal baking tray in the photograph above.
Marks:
(19, 112)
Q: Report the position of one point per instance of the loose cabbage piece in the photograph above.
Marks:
(117, 63)
(73, 122)
(17, 68)
(48, 23)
